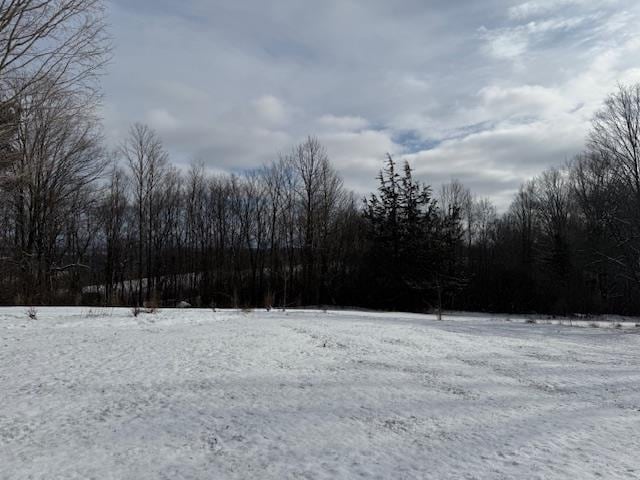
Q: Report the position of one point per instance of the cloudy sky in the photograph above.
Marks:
(489, 92)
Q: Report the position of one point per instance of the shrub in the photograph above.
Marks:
(152, 305)
(268, 301)
(32, 313)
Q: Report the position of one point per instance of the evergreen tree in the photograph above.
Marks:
(405, 240)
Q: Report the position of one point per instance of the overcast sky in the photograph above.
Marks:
(489, 92)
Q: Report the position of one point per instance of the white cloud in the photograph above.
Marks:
(494, 162)
(271, 109)
(506, 44)
(535, 8)
(344, 123)
(500, 93)
(161, 120)
(514, 41)
(524, 101)
(358, 155)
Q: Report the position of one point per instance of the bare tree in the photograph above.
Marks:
(63, 41)
(455, 196)
(50, 45)
(486, 218)
(274, 177)
(309, 159)
(523, 213)
(614, 142)
(9, 121)
(58, 159)
(553, 197)
(616, 134)
(147, 160)
(114, 221)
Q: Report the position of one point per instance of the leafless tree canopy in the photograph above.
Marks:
(50, 185)
(64, 41)
(46, 47)
(616, 135)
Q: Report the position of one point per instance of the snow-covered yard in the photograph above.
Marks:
(197, 394)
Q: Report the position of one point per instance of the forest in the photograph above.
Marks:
(83, 224)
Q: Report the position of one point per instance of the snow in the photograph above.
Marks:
(188, 394)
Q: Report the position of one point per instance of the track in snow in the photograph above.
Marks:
(198, 394)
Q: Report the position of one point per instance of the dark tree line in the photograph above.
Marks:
(285, 234)
(570, 242)
(79, 225)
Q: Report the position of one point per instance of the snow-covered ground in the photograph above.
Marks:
(197, 394)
